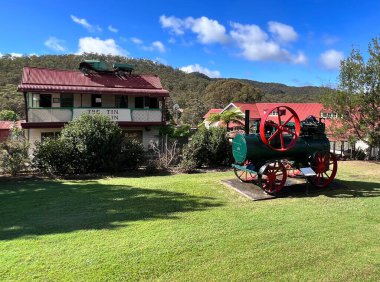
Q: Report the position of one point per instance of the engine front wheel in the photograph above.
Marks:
(273, 178)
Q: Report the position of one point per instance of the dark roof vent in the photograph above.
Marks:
(91, 66)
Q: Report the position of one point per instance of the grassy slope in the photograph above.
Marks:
(189, 227)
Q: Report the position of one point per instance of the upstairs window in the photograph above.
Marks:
(45, 100)
(121, 101)
(153, 103)
(329, 115)
(67, 100)
(139, 102)
(146, 102)
(274, 113)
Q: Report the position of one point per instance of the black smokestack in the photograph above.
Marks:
(246, 122)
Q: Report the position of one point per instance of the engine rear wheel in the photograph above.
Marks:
(325, 166)
(273, 178)
(243, 175)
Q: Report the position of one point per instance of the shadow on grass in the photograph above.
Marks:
(337, 189)
(49, 207)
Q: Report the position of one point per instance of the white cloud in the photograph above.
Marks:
(159, 46)
(329, 40)
(136, 40)
(282, 32)
(331, 59)
(208, 31)
(85, 24)
(55, 44)
(176, 25)
(172, 40)
(13, 55)
(16, 55)
(154, 46)
(96, 45)
(198, 68)
(112, 29)
(299, 59)
(255, 43)
(257, 46)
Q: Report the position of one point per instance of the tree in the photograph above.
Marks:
(14, 153)
(226, 117)
(8, 115)
(222, 92)
(357, 98)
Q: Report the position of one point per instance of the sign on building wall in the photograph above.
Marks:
(113, 114)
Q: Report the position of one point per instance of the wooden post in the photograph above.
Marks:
(26, 106)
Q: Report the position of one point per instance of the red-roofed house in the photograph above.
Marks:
(54, 97)
(208, 114)
(258, 110)
(6, 127)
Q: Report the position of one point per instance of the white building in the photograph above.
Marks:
(54, 97)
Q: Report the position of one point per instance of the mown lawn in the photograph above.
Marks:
(189, 227)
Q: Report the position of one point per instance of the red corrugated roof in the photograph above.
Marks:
(212, 111)
(43, 79)
(303, 110)
(7, 125)
(253, 111)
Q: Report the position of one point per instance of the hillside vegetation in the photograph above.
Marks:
(189, 91)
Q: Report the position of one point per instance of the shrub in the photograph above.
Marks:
(91, 143)
(208, 147)
(13, 156)
(96, 142)
(176, 131)
(55, 157)
(166, 157)
(132, 154)
(219, 147)
(197, 149)
(187, 166)
(8, 115)
(151, 167)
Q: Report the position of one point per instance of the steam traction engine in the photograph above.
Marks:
(283, 146)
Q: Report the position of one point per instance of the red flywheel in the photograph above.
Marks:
(283, 138)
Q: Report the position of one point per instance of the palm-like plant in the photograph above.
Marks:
(226, 117)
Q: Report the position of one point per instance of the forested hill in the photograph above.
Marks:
(195, 92)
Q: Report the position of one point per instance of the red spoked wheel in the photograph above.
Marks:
(273, 178)
(325, 166)
(245, 176)
(282, 128)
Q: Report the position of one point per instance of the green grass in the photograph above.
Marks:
(189, 227)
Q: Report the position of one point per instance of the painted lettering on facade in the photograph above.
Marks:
(113, 114)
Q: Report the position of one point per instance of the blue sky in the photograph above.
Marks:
(292, 42)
